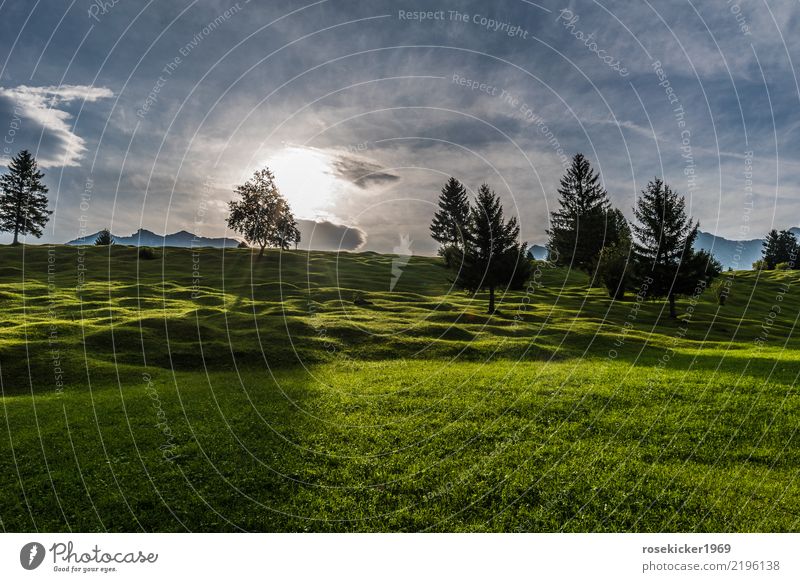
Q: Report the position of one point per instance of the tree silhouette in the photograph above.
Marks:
(262, 213)
(779, 247)
(288, 233)
(663, 245)
(23, 202)
(582, 225)
(614, 265)
(450, 220)
(493, 255)
(104, 238)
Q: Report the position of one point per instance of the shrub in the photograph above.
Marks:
(783, 266)
(760, 265)
(613, 269)
(722, 289)
(104, 238)
(147, 254)
(242, 245)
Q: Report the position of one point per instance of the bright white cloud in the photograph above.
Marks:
(40, 109)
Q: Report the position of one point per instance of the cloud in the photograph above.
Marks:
(363, 173)
(36, 121)
(322, 235)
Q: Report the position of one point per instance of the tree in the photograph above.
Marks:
(450, 220)
(614, 265)
(663, 245)
(579, 228)
(492, 255)
(104, 238)
(23, 203)
(262, 213)
(779, 247)
(287, 232)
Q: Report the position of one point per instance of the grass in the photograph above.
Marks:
(217, 392)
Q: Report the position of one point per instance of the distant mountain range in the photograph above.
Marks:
(320, 235)
(146, 238)
(736, 254)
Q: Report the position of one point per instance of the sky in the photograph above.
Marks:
(148, 114)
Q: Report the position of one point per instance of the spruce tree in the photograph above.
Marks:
(23, 202)
(779, 247)
(663, 245)
(449, 223)
(578, 228)
(492, 255)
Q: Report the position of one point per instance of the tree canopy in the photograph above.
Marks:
(261, 214)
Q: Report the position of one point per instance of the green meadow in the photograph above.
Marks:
(213, 391)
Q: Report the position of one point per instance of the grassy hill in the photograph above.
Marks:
(213, 391)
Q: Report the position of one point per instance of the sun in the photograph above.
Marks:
(305, 177)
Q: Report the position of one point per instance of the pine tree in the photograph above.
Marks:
(23, 202)
(779, 247)
(663, 245)
(104, 238)
(449, 223)
(578, 228)
(492, 255)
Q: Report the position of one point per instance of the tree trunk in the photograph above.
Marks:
(261, 252)
(491, 300)
(672, 313)
(17, 219)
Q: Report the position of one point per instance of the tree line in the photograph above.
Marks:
(477, 242)
(586, 233)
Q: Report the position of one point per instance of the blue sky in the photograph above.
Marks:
(147, 114)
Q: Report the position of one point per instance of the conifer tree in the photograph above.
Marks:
(23, 202)
(580, 227)
(663, 243)
(450, 220)
(779, 247)
(492, 256)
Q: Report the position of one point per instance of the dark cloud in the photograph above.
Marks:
(363, 173)
(322, 235)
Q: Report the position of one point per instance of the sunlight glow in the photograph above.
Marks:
(305, 177)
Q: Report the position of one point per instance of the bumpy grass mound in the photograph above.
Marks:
(211, 390)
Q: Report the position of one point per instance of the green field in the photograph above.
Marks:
(257, 396)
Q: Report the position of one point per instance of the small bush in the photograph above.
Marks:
(147, 254)
(243, 245)
(613, 270)
(783, 266)
(104, 238)
(721, 288)
(760, 265)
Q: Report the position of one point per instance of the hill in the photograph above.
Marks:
(212, 391)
